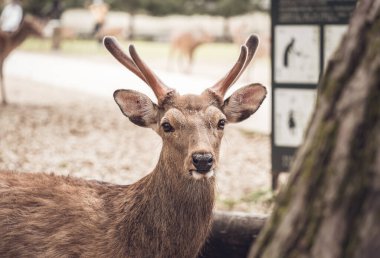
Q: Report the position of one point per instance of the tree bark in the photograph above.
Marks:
(232, 235)
(331, 206)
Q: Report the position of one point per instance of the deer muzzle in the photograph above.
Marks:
(202, 162)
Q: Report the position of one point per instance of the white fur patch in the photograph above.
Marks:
(198, 176)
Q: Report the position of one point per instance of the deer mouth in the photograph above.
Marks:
(202, 174)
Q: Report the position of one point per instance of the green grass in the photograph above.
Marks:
(261, 199)
(152, 50)
(70, 47)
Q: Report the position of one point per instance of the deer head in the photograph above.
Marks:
(191, 126)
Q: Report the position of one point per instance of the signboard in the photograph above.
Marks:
(305, 33)
(293, 109)
(297, 59)
(332, 35)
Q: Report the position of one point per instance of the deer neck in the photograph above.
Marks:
(172, 206)
(177, 187)
(19, 37)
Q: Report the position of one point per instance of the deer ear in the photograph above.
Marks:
(244, 102)
(137, 107)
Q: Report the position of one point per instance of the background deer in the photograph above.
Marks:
(165, 214)
(10, 41)
(184, 43)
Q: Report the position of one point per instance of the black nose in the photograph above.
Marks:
(203, 161)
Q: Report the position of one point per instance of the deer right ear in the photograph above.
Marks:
(244, 102)
(137, 107)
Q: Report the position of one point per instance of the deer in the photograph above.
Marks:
(168, 212)
(10, 41)
(184, 44)
(109, 31)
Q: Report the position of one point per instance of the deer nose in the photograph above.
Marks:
(203, 161)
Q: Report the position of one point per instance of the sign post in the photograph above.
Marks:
(304, 35)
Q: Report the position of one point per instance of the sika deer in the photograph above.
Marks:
(184, 44)
(165, 214)
(9, 42)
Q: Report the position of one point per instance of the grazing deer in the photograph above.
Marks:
(109, 31)
(184, 43)
(10, 41)
(166, 213)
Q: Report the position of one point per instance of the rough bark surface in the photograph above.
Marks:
(331, 206)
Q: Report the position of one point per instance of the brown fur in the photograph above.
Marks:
(184, 43)
(165, 214)
(50, 216)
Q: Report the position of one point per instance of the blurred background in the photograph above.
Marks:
(59, 79)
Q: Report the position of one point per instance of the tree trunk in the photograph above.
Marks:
(226, 30)
(232, 235)
(56, 38)
(2, 86)
(331, 206)
(131, 26)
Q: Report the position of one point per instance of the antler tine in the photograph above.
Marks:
(252, 43)
(222, 86)
(137, 66)
(246, 54)
(159, 88)
(113, 47)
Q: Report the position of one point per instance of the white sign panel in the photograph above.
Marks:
(293, 110)
(333, 36)
(297, 54)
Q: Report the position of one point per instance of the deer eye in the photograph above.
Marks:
(167, 127)
(221, 124)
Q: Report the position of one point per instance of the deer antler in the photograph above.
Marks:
(138, 67)
(247, 52)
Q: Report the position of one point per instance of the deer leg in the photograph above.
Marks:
(189, 62)
(170, 58)
(3, 96)
(180, 58)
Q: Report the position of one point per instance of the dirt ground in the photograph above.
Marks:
(66, 132)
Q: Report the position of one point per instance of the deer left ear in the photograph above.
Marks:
(244, 102)
(137, 107)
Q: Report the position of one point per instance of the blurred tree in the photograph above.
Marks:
(130, 6)
(157, 7)
(41, 7)
(228, 8)
(225, 8)
(54, 10)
